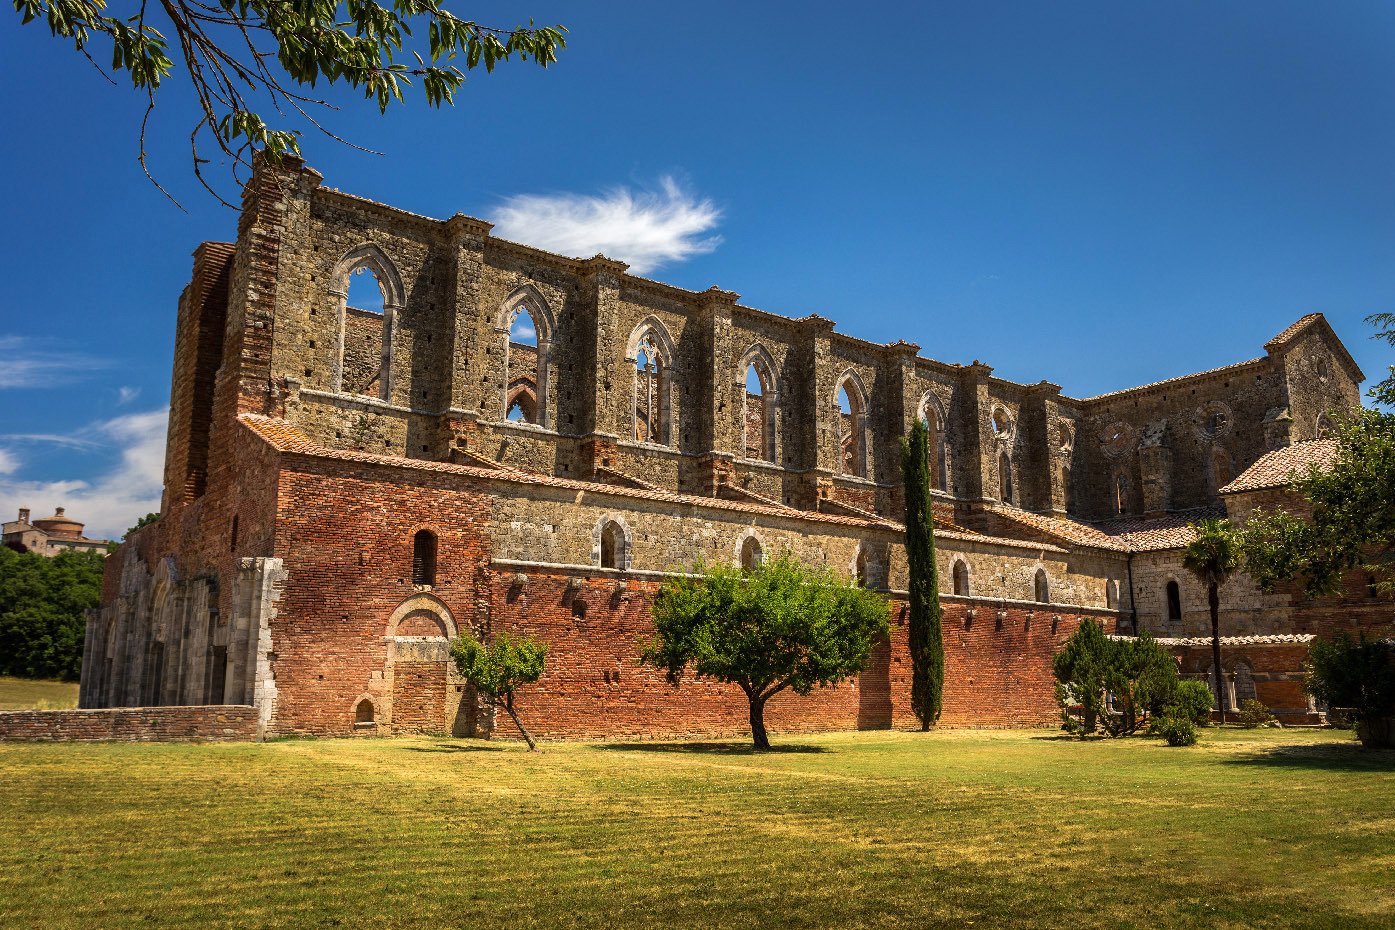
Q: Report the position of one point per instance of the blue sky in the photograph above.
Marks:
(1098, 194)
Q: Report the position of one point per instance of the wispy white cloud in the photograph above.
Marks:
(124, 395)
(8, 465)
(32, 363)
(112, 502)
(645, 228)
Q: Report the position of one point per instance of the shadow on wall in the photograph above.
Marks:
(874, 690)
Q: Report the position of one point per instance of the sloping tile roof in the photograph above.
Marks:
(1063, 529)
(1294, 328)
(1166, 531)
(1278, 468)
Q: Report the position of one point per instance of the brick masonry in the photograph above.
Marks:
(217, 723)
(311, 443)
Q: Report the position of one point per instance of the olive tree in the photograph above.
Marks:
(779, 625)
(498, 669)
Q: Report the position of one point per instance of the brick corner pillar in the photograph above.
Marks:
(470, 378)
(605, 349)
(274, 202)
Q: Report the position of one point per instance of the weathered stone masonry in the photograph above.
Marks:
(349, 487)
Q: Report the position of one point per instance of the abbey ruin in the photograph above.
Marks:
(499, 438)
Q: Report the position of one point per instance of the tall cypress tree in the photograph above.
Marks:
(925, 636)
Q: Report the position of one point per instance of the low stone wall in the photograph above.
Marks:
(217, 722)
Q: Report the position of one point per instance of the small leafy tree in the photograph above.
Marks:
(498, 669)
(1356, 673)
(1191, 700)
(1352, 523)
(925, 634)
(1213, 556)
(780, 625)
(1137, 673)
(1141, 676)
(1080, 669)
(143, 521)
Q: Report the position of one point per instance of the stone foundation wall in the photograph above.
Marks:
(210, 723)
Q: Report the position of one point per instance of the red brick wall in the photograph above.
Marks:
(1276, 670)
(997, 672)
(345, 532)
(137, 724)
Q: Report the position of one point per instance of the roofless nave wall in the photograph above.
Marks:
(496, 437)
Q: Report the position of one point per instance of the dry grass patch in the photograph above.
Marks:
(37, 694)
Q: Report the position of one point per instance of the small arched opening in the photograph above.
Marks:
(613, 547)
(424, 558)
(960, 576)
(1042, 587)
(1005, 479)
(365, 714)
(1174, 600)
(751, 554)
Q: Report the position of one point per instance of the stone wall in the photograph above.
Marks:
(216, 723)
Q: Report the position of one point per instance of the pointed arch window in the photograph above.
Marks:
(1121, 494)
(934, 428)
(758, 406)
(369, 292)
(1005, 479)
(521, 399)
(852, 427)
(653, 360)
(1220, 468)
(526, 324)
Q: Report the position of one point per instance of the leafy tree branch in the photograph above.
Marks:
(244, 58)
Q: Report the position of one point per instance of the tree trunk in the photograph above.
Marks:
(1213, 598)
(508, 706)
(758, 736)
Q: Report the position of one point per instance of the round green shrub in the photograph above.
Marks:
(1178, 731)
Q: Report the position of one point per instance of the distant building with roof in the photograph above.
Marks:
(49, 535)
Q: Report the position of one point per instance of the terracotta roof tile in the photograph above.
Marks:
(1167, 531)
(1294, 328)
(1062, 528)
(1278, 468)
(1272, 639)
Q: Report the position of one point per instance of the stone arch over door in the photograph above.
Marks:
(421, 690)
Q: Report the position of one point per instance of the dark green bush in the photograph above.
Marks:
(1178, 731)
(1191, 701)
(43, 602)
(1359, 674)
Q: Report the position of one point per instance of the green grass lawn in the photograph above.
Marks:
(1261, 828)
(37, 694)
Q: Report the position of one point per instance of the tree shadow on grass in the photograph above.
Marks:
(1341, 757)
(453, 747)
(715, 749)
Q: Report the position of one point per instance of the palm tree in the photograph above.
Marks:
(1213, 557)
